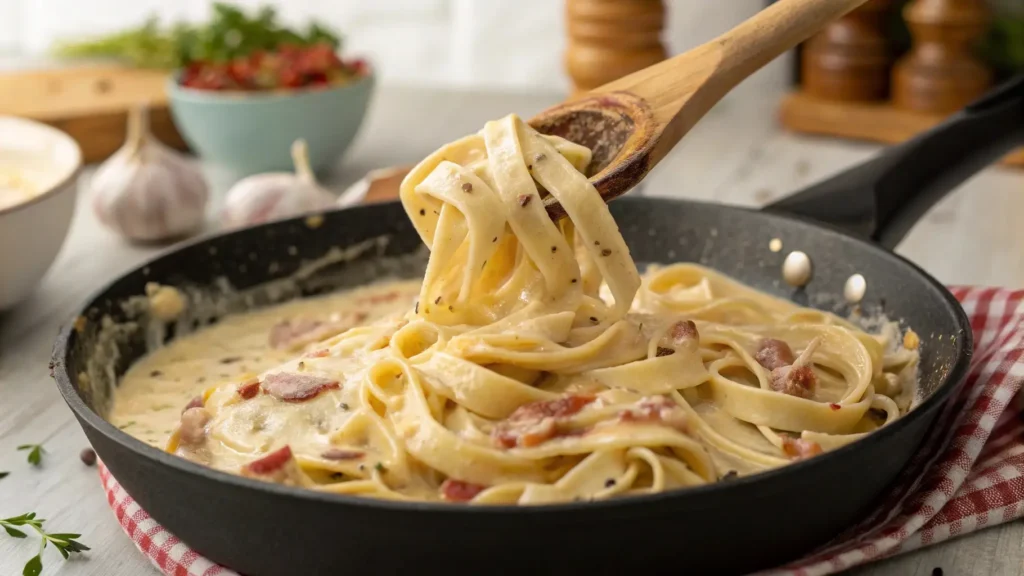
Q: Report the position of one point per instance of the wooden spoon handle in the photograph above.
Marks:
(695, 81)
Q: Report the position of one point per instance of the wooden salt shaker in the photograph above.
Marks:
(940, 74)
(609, 39)
(849, 60)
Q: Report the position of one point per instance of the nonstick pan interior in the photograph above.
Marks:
(259, 528)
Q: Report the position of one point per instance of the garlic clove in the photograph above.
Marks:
(275, 195)
(146, 191)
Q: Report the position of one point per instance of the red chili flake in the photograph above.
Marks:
(834, 406)
(321, 353)
(271, 462)
(459, 491)
(249, 388)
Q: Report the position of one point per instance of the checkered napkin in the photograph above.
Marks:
(974, 465)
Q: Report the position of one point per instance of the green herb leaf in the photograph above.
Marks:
(4, 475)
(14, 532)
(34, 566)
(35, 454)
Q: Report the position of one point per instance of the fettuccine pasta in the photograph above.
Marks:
(537, 365)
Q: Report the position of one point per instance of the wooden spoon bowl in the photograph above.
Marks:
(632, 123)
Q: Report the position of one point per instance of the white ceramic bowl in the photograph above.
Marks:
(33, 229)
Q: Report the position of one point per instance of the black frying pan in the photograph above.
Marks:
(730, 527)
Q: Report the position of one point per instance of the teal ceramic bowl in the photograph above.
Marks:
(249, 133)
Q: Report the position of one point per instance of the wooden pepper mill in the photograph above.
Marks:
(940, 74)
(609, 39)
(849, 60)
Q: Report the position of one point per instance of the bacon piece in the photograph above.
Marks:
(196, 402)
(271, 462)
(278, 466)
(249, 388)
(342, 454)
(289, 333)
(192, 429)
(800, 449)
(684, 334)
(773, 353)
(537, 422)
(459, 491)
(657, 410)
(292, 387)
(797, 379)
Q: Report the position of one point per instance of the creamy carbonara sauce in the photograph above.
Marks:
(533, 365)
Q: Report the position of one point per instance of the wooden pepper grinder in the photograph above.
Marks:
(609, 39)
(940, 74)
(849, 60)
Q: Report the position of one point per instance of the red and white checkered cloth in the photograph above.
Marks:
(974, 465)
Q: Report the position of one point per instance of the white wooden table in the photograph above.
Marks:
(736, 155)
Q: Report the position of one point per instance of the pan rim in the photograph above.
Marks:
(956, 375)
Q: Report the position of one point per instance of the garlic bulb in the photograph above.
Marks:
(275, 195)
(147, 191)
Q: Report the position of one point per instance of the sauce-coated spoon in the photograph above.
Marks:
(632, 123)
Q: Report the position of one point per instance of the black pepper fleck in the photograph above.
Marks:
(230, 359)
(662, 351)
(574, 280)
(554, 249)
(594, 319)
(596, 243)
(450, 309)
(495, 239)
(730, 475)
(437, 300)
(156, 374)
(423, 212)
(343, 406)
(416, 309)
(609, 483)
(467, 187)
(529, 166)
(524, 199)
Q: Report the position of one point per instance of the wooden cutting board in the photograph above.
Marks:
(90, 103)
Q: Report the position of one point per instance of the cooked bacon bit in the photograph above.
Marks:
(192, 429)
(537, 422)
(287, 331)
(196, 402)
(524, 199)
(795, 381)
(292, 387)
(911, 341)
(772, 353)
(834, 406)
(342, 454)
(684, 330)
(249, 388)
(662, 351)
(459, 491)
(657, 410)
(270, 463)
(799, 448)
(321, 353)
(798, 379)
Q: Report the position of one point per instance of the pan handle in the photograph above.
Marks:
(885, 196)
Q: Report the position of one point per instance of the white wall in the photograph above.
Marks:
(515, 44)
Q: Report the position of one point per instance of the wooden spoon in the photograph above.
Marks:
(632, 123)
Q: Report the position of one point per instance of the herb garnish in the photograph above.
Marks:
(65, 543)
(35, 453)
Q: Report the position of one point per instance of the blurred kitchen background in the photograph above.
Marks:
(510, 44)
